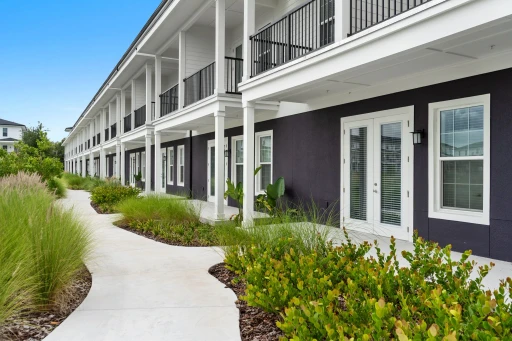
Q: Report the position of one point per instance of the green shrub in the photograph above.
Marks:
(107, 196)
(189, 233)
(42, 247)
(57, 187)
(87, 183)
(345, 294)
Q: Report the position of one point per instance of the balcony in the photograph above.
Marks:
(107, 134)
(365, 14)
(88, 145)
(98, 138)
(128, 123)
(94, 141)
(306, 29)
(169, 101)
(202, 83)
(140, 117)
(113, 130)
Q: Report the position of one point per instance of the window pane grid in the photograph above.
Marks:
(358, 173)
(462, 185)
(391, 173)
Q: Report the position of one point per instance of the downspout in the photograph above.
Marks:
(190, 156)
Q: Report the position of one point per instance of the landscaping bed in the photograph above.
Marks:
(35, 326)
(99, 209)
(192, 235)
(255, 323)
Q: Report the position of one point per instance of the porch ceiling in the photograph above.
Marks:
(448, 54)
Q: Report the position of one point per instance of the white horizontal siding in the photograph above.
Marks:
(200, 49)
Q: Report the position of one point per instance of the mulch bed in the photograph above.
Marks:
(124, 225)
(36, 326)
(99, 210)
(255, 323)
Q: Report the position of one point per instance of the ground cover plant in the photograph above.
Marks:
(88, 183)
(42, 249)
(105, 197)
(170, 220)
(341, 293)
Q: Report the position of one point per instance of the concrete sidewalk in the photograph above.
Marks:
(145, 290)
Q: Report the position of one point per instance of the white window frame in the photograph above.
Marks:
(434, 165)
(234, 139)
(143, 165)
(170, 167)
(6, 130)
(257, 137)
(180, 149)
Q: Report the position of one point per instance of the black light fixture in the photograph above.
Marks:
(227, 152)
(417, 136)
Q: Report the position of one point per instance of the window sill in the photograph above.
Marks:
(478, 218)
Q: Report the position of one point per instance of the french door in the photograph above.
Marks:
(377, 174)
(211, 168)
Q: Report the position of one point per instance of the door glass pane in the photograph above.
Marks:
(358, 172)
(463, 184)
(239, 174)
(391, 173)
(239, 151)
(266, 175)
(212, 171)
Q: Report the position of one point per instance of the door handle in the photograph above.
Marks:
(375, 191)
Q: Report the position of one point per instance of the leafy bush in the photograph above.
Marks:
(107, 196)
(344, 294)
(42, 247)
(56, 186)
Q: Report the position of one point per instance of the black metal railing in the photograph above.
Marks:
(98, 138)
(128, 123)
(94, 141)
(200, 85)
(300, 32)
(140, 116)
(88, 144)
(367, 13)
(113, 130)
(107, 137)
(169, 100)
(234, 67)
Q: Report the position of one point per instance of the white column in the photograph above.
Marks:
(118, 160)
(249, 28)
(149, 87)
(148, 163)
(158, 86)
(91, 131)
(342, 24)
(220, 46)
(181, 70)
(248, 161)
(219, 165)
(91, 164)
(123, 110)
(84, 174)
(134, 103)
(103, 164)
(102, 125)
(118, 110)
(158, 163)
(122, 166)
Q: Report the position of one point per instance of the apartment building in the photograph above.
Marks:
(395, 111)
(11, 132)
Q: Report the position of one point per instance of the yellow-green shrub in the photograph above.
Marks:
(345, 294)
(109, 195)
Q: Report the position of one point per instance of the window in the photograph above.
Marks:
(263, 160)
(4, 147)
(459, 159)
(237, 172)
(137, 164)
(4, 132)
(114, 163)
(143, 165)
(181, 165)
(170, 159)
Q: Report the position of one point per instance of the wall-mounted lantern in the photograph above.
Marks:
(417, 136)
(227, 152)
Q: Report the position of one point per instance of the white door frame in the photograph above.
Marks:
(407, 154)
(211, 143)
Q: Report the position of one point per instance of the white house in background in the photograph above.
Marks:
(396, 111)
(10, 133)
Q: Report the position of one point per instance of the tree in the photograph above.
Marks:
(37, 137)
(34, 134)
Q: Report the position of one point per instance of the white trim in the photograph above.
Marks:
(180, 148)
(233, 178)
(408, 153)
(143, 166)
(257, 137)
(170, 167)
(434, 173)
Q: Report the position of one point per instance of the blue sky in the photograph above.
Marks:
(56, 54)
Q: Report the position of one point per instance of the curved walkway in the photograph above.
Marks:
(145, 290)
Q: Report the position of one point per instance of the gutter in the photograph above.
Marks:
(162, 4)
